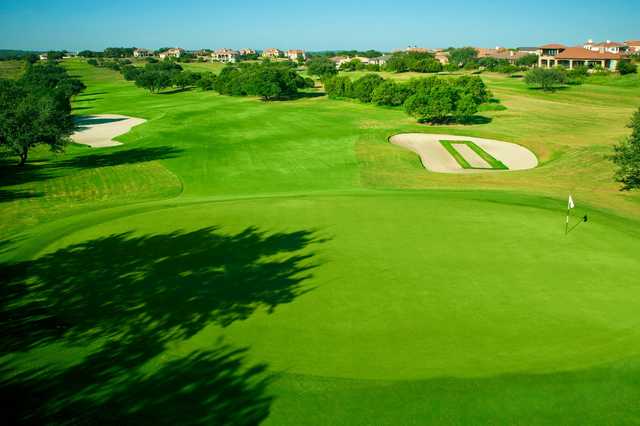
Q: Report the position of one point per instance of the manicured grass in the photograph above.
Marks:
(238, 261)
(11, 69)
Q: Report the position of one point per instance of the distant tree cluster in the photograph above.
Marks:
(413, 61)
(36, 109)
(430, 99)
(627, 157)
(268, 80)
(321, 66)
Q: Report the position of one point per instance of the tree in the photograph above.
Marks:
(31, 116)
(390, 93)
(321, 67)
(463, 56)
(434, 101)
(206, 82)
(154, 81)
(184, 79)
(627, 157)
(364, 86)
(527, 60)
(546, 79)
(339, 87)
(474, 87)
(129, 72)
(625, 67)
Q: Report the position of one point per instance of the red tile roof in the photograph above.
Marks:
(632, 42)
(609, 44)
(582, 53)
(553, 46)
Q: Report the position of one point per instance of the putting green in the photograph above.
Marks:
(466, 284)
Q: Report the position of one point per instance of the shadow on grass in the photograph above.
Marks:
(177, 90)
(12, 174)
(119, 157)
(91, 94)
(7, 195)
(129, 297)
(92, 120)
(79, 108)
(88, 99)
(466, 121)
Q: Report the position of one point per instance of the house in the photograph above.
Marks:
(141, 53)
(339, 60)
(244, 52)
(552, 55)
(416, 49)
(296, 54)
(606, 46)
(380, 60)
(172, 53)
(528, 50)
(272, 53)
(442, 57)
(225, 55)
(44, 56)
(633, 46)
(203, 54)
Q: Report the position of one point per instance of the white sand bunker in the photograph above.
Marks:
(465, 154)
(98, 131)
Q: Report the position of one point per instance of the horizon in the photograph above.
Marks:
(35, 25)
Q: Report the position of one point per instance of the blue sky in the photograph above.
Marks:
(316, 25)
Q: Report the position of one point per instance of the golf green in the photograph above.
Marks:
(466, 285)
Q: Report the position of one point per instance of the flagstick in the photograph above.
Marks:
(566, 224)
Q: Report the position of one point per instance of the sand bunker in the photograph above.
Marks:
(436, 158)
(98, 131)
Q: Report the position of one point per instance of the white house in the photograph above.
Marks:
(295, 54)
(605, 46)
(172, 53)
(141, 53)
(225, 55)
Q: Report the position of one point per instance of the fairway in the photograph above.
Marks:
(235, 261)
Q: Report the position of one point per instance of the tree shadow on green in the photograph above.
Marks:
(119, 157)
(131, 296)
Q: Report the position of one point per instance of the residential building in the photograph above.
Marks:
(528, 50)
(380, 60)
(44, 56)
(225, 55)
(339, 60)
(552, 55)
(244, 52)
(295, 54)
(141, 53)
(633, 46)
(606, 46)
(172, 53)
(417, 49)
(203, 54)
(272, 53)
(442, 57)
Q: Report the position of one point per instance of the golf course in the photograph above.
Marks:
(235, 261)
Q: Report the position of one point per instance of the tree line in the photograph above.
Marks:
(431, 99)
(36, 109)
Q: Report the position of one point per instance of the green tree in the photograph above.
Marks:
(390, 93)
(154, 81)
(129, 72)
(434, 103)
(527, 61)
(206, 82)
(30, 116)
(625, 67)
(321, 67)
(545, 78)
(463, 56)
(627, 157)
(339, 87)
(364, 86)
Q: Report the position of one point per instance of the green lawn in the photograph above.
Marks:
(237, 262)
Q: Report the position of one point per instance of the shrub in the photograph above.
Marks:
(390, 93)
(627, 157)
(625, 67)
(364, 86)
(339, 87)
(321, 66)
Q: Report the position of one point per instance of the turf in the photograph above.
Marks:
(237, 261)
